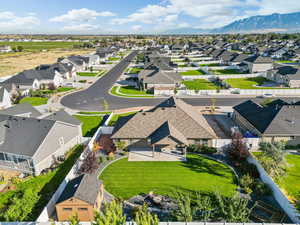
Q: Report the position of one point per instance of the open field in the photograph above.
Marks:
(13, 63)
(199, 84)
(27, 200)
(126, 179)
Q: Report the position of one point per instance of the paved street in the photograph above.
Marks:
(93, 97)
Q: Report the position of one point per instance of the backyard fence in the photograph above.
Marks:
(214, 76)
(282, 200)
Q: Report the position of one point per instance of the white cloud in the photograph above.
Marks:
(81, 27)
(81, 15)
(136, 27)
(278, 6)
(9, 21)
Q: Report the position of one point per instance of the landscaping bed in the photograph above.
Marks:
(126, 179)
(200, 84)
(28, 198)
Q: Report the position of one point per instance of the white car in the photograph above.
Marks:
(268, 95)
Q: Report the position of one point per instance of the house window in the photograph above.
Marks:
(292, 137)
(205, 142)
(67, 209)
(197, 141)
(82, 209)
(61, 141)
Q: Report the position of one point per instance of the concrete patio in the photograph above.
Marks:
(147, 155)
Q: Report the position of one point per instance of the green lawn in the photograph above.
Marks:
(211, 64)
(87, 74)
(247, 83)
(34, 101)
(90, 124)
(38, 46)
(193, 73)
(134, 70)
(291, 182)
(226, 72)
(48, 92)
(200, 84)
(285, 61)
(114, 58)
(12, 202)
(115, 117)
(182, 65)
(126, 179)
(130, 92)
(92, 113)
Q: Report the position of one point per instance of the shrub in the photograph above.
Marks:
(82, 81)
(102, 159)
(90, 164)
(203, 149)
(248, 168)
(261, 188)
(110, 156)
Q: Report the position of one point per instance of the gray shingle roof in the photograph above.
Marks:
(277, 118)
(84, 187)
(63, 116)
(159, 77)
(181, 116)
(23, 136)
(21, 109)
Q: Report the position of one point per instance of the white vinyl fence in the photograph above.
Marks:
(282, 200)
(214, 76)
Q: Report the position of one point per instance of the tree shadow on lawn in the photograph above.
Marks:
(201, 165)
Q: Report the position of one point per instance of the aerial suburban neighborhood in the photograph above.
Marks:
(169, 112)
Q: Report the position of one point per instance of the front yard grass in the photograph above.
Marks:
(19, 204)
(34, 101)
(248, 83)
(291, 182)
(199, 84)
(116, 117)
(211, 64)
(134, 70)
(114, 58)
(90, 124)
(125, 179)
(192, 73)
(87, 74)
(129, 92)
(227, 72)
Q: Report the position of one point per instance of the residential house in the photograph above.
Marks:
(64, 70)
(168, 127)
(30, 145)
(285, 75)
(157, 81)
(79, 62)
(226, 57)
(22, 110)
(5, 48)
(277, 121)
(82, 196)
(258, 64)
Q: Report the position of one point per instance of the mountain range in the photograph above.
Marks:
(256, 24)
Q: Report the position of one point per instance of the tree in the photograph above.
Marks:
(20, 48)
(90, 164)
(238, 148)
(120, 145)
(144, 217)
(233, 209)
(112, 214)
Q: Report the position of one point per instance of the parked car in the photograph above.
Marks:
(268, 95)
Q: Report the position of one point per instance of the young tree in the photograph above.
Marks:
(74, 220)
(238, 148)
(144, 217)
(90, 164)
(184, 211)
(120, 145)
(112, 214)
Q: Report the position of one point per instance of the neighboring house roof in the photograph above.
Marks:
(277, 118)
(181, 120)
(84, 187)
(21, 109)
(259, 59)
(63, 116)
(217, 52)
(227, 56)
(62, 68)
(240, 58)
(293, 73)
(23, 135)
(159, 77)
(78, 60)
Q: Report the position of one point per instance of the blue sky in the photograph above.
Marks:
(129, 16)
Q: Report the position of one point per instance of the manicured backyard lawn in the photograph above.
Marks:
(22, 205)
(126, 179)
(90, 124)
(291, 182)
(192, 73)
(199, 84)
(226, 72)
(247, 83)
(34, 101)
(115, 117)
(211, 64)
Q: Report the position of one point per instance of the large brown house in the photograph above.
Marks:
(82, 196)
(170, 126)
